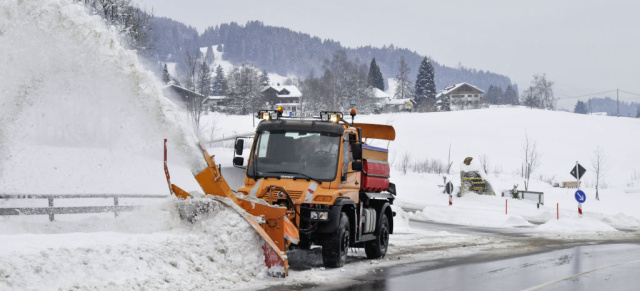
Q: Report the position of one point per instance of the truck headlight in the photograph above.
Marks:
(320, 215)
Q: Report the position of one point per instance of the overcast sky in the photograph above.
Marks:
(583, 46)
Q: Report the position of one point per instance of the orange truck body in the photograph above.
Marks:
(294, 207)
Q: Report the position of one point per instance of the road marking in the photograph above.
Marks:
(575, 276)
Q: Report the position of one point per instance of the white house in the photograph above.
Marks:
(386, 102)
(286, 96)
(462, 95)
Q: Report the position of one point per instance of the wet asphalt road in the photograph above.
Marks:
(555, 265)
(585, 267)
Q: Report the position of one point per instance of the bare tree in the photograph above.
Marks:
(405, 162)
(599, 165)
(244, 88)
(211, 127)
(540, 93)
(531, 159)
(484, 162)
(449, 162)
(404, 88)
(191, 59)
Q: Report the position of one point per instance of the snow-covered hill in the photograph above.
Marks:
(561, 138)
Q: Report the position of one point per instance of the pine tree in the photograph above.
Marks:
(209, 56)
(494, 95)
(444, 105)
(425, 90)
(219, 87)
(165, 74)
(203, 84)
(375, 76)
(511, 96)
(580, 108)
(264, 78)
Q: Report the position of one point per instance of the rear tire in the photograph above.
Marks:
(336, 246)
(377, 248)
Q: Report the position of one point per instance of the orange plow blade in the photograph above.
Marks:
(272, 225)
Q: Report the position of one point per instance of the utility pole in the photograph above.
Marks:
(618, 101)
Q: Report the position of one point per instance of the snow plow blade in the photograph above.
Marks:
(219, 195)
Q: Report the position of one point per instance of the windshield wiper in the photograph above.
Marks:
(307, 177)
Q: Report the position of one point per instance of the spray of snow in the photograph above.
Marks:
(66, 81)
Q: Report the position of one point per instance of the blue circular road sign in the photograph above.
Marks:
(580, 196)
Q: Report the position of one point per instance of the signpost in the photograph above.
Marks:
(449, 189)
(578, 171)
(581, 197)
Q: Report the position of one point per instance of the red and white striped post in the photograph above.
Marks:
(450, 200)
(505, 205)
(580, 209)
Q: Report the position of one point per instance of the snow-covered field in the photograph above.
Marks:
(80, 115)
(498, 133)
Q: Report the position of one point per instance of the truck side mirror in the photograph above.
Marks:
(239, 146)
(356, 166)
(238, 161)
(356, 148)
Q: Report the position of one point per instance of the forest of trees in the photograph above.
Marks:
(608, 105)
(343, 84)
(497, 96)
(285, 52)
(336, 76)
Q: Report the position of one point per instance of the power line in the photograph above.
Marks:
(586, 95)
(630, 92)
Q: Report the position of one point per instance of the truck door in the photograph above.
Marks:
(351, 179)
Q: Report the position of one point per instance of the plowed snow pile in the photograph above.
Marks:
(79, 114)
(151, 248)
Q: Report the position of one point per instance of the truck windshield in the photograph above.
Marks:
(304, 155)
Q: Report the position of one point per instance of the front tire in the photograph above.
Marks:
(335, 247)
(377, 248)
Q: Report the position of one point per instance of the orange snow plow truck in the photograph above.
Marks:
(314, 181)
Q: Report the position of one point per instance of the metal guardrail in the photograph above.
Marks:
(528, 195)
(52, 211)
(532, 195)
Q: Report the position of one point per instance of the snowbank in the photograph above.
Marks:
(151, 248)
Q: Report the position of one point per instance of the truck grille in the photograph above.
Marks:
(295, 195)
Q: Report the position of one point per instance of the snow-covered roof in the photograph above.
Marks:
(293, 91)
(217, 97)
(450, 89)
(377, 93)
(400, 101)
(175, 87)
